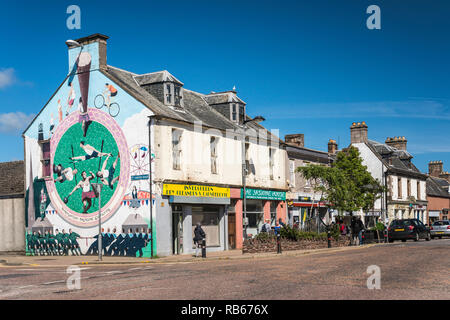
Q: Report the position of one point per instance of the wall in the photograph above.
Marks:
(373, 164)
(196, 161)
(12, 225)
(119, 135)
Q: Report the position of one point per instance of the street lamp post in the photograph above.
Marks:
(245, 170)
(98, 189)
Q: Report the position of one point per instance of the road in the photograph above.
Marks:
(412, 270)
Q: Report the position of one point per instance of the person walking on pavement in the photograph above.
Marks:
(199, 235)
(357, 228)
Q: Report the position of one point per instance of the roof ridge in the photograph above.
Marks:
(109, 66)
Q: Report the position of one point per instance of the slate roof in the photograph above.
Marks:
(395, 159)
(302, 153)
(222, 97)
(435, 187)
(156, 77)
(12, 175)
(195, 108)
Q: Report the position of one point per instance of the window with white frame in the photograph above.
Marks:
(176, 148)
(247, 159)
(168, 93)
(271, 162)
(213, 146)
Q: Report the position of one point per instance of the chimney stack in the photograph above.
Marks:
(435, 168)
(332, 146)
(297, 140)
(358, 132)
(397, 142)
(94, 46)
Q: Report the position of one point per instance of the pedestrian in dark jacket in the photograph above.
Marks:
(357, 227)
(199, 235)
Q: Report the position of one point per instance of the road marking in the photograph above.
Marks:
(114, 272)
(23, 287)
(53, 282)
(135, 269)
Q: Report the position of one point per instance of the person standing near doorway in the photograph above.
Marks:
(199, 235)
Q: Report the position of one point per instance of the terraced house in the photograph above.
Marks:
(392, 165)
(165, 156)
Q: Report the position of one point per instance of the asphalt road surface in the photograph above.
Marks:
(412, 270)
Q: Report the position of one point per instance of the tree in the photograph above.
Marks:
(346, 184)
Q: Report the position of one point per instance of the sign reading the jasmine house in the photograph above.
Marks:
(186, 190)
(263, 194)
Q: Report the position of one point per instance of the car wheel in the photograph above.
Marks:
(391, 240)
(428, 238)
(432, 237)
(417, 237)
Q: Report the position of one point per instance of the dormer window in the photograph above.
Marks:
(177, 96)
(169, 93)
(233, 112)
(241, 114)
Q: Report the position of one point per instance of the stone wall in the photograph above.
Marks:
(270, 245)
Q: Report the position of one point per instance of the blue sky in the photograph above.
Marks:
(308, 67)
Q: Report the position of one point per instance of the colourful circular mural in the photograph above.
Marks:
(86, 151)
(72, 156)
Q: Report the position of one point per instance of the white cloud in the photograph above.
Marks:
(7, 77)
(14, 122)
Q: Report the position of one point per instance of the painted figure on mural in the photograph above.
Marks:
(109, 92)
(60, 112)
(107, 176)
(90, 153)
(87, 194)
(71, 98)
(73, 243)
(52, 124)
(134, 203)
(66, 174)
(43, 201)
(83, 117)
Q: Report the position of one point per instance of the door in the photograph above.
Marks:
(231, 231)
(177, 230)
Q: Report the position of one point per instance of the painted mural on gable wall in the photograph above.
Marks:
(89, 134)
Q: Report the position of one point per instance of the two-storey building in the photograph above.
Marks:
(391, 164)
(305, 205)
(165, 156)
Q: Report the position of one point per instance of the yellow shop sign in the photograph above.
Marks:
(187, 190)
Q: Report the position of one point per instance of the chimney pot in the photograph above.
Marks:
(297, 140)
(358, 132)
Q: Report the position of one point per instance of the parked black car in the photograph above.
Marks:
(404, 229)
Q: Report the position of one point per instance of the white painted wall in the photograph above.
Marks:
(196, 161)
(373, 164)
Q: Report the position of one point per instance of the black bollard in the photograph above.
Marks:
(329, 238)
(204, 248)
(278, 243)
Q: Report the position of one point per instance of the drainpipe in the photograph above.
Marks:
(150, 118)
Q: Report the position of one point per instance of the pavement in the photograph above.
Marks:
(411, 271)
(65, 261)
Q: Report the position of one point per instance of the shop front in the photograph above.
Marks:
(261, 205)
(303, 212)
(192, 204)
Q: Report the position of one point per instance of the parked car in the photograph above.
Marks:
(405, 229)
(440, 228)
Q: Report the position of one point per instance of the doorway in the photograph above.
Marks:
(231, 230)
(177, 229)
